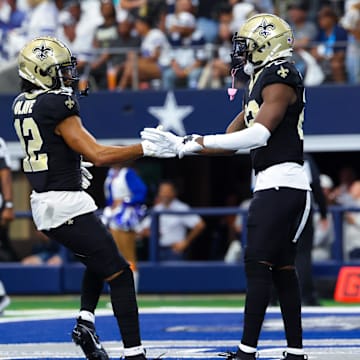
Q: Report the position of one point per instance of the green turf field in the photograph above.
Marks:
(145, 301)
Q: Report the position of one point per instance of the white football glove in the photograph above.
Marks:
(86, 175)
(189, 146)
(162, 138)
(181, 146)
(153, 149)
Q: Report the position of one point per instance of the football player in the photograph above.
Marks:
(48, 124)
(270, 125)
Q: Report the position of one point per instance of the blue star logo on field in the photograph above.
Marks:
(171, 115)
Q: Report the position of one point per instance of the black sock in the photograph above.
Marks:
(287, 285)
(259, 282)
(123, 300)
(92, 286)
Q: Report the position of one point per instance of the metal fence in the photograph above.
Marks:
(337, 213)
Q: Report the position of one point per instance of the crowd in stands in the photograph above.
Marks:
(125, 44)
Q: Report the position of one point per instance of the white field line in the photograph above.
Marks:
(50, 314)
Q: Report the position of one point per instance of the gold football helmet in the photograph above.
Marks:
(260, 40)
(47, 63)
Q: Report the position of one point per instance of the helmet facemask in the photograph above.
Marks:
(67, 74)
(241, 55)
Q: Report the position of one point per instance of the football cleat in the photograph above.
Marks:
(239, 355)
(287, 356)
(85, 336)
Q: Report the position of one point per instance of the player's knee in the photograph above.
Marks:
(258, 269)
(284, 276)
(125, 273)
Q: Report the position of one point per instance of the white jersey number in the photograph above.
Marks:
(34, 160)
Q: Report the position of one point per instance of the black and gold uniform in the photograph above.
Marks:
(49, 163)
(281, 201)
(286, 142)
(61, 209)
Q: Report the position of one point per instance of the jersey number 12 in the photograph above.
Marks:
(31, 142)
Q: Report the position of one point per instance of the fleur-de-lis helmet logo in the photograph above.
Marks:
(42, 51)
(265, 28)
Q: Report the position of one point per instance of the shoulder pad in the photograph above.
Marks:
(281, 71)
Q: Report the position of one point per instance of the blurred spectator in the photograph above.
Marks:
(126, 46)
(351, 22)
(172, 18)
(66, 31)
(176, 232)
(265, 6)
(207, 18)
(156, 9)
(126, 7)
(173, 4)
(217, 70)
(188, 54)
(351, 231)
(78, 28)
(324, 234)
(10, 18)
(305, 33)
(7, 214)
(104, 37)
(242, 10)
(330, 51)
(45, 251)
(154, 54)
(40, 20)
(125, 195)
(341, 193)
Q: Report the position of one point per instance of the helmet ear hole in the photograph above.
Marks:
(42, 72)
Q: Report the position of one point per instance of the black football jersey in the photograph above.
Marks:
(49, 163)
(286, 141)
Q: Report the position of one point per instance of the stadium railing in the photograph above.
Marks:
(166, 277)
(336, 211)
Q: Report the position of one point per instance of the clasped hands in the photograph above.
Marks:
(159, 143)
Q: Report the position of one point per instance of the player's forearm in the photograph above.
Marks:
(83, 142)
(110, 155)
(253, 137)
(6, 184)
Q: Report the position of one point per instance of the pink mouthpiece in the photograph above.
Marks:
(231, 92)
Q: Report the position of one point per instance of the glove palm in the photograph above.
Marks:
(178, 145)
